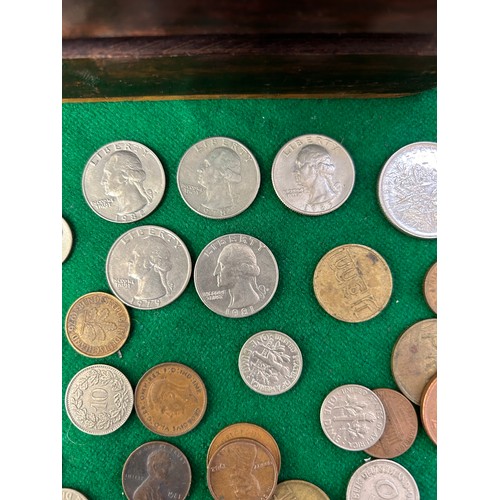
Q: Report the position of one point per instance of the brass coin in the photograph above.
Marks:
(170, 399)
(352, 283)
(401, 425)
(430, 287)
(428, 409)
(242, 469)
(245, 430)
(414, 358)
(295, 489)
(97, 324)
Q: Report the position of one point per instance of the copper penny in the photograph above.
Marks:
(414, 358)
(170, 399)
(430, 287)
(295, 489)
(97, 324)
(245, 430)
(428, 409)
(401, 425)
(352, 283)
(242, 469)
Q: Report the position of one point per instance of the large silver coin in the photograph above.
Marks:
(382, 479)
(313, 174)
(353, 417)
(236, 275)
(67, 240)
(99, 399)
(148, 267)
(70, 494)
(123, 181)
(270, 362)
(218, 177)
(407, 189)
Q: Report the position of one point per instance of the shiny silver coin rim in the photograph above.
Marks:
(78, 495)
(252, 196)
(67, 238)
(385, 209)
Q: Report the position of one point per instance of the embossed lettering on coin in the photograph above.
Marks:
(428, 409)
(70, 494)
(295, 489)
(67, 240)
(430, 287)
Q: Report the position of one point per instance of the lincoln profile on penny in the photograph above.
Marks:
(155, 486)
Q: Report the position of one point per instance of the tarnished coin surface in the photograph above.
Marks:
(407, 189)
(352, 417)
(70, 494)
(67, 240)
(99, 399)
(123, 181)
(97, 324)
(270, 362)
(428, 409)
(236, 275)
(313, 174)
(148, 267)
(430, 287)
(156, 471)
(242, 469)
(414, 358)
(382, 479)
(245, 430)
(170, 399)
(218, 177)
(401, 425)
(296, 489)
(352, 283)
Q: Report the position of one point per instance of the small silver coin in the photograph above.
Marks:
(99, 399)
(67, 240)
(407, 189)
(70, 494)
(156, 470)
(236, 275)
(218, 177)
(123, 181)
(270, 362)
(148, 267)
(382, 479)
(313, 174)
(353, 417)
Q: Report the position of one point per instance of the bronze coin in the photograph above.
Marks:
(401, 425)
(414, 358)
(295, 489)
(428, 409)
(170, 399)
(245, 430)
(352, 283)
(430, 287)
(97, 324)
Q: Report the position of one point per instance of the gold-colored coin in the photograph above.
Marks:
(428, 409)
(414, 358)
(430, 287)
(97, 324)
(170, 399)
(295, 489)
(352, 283)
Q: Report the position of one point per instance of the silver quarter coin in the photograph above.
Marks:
(353, 417)
(148, 267)
(270, 362)
(156, 470)
(123, 181)
(382, 479)
(313, 174)
(218, 177)
(236, 275)
(407, 189)
(99, 399)
(67, 240)
(70, 494)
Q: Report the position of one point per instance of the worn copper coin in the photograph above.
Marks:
(430, 287)
(295, 489)
(414, 358)
(97, 324)
(245, 430)
(352, 283)
(67, 240)
(70, 494)
(401, 425)
(156, 471)
(170, 399)
(242, 469)
(428, 409)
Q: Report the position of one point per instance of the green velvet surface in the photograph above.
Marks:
(186, 331)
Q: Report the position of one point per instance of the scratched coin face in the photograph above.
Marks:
(407, 189)
(236, 275)
(295, 489)
(428, 409)
(313, 174)
(70, 494)
(352, 283)
(430, 287)
(218, 177)
(270, 362)
(67, 240)
(123, 181)
(148, 267)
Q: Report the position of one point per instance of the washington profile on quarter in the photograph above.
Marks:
(67, 240)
